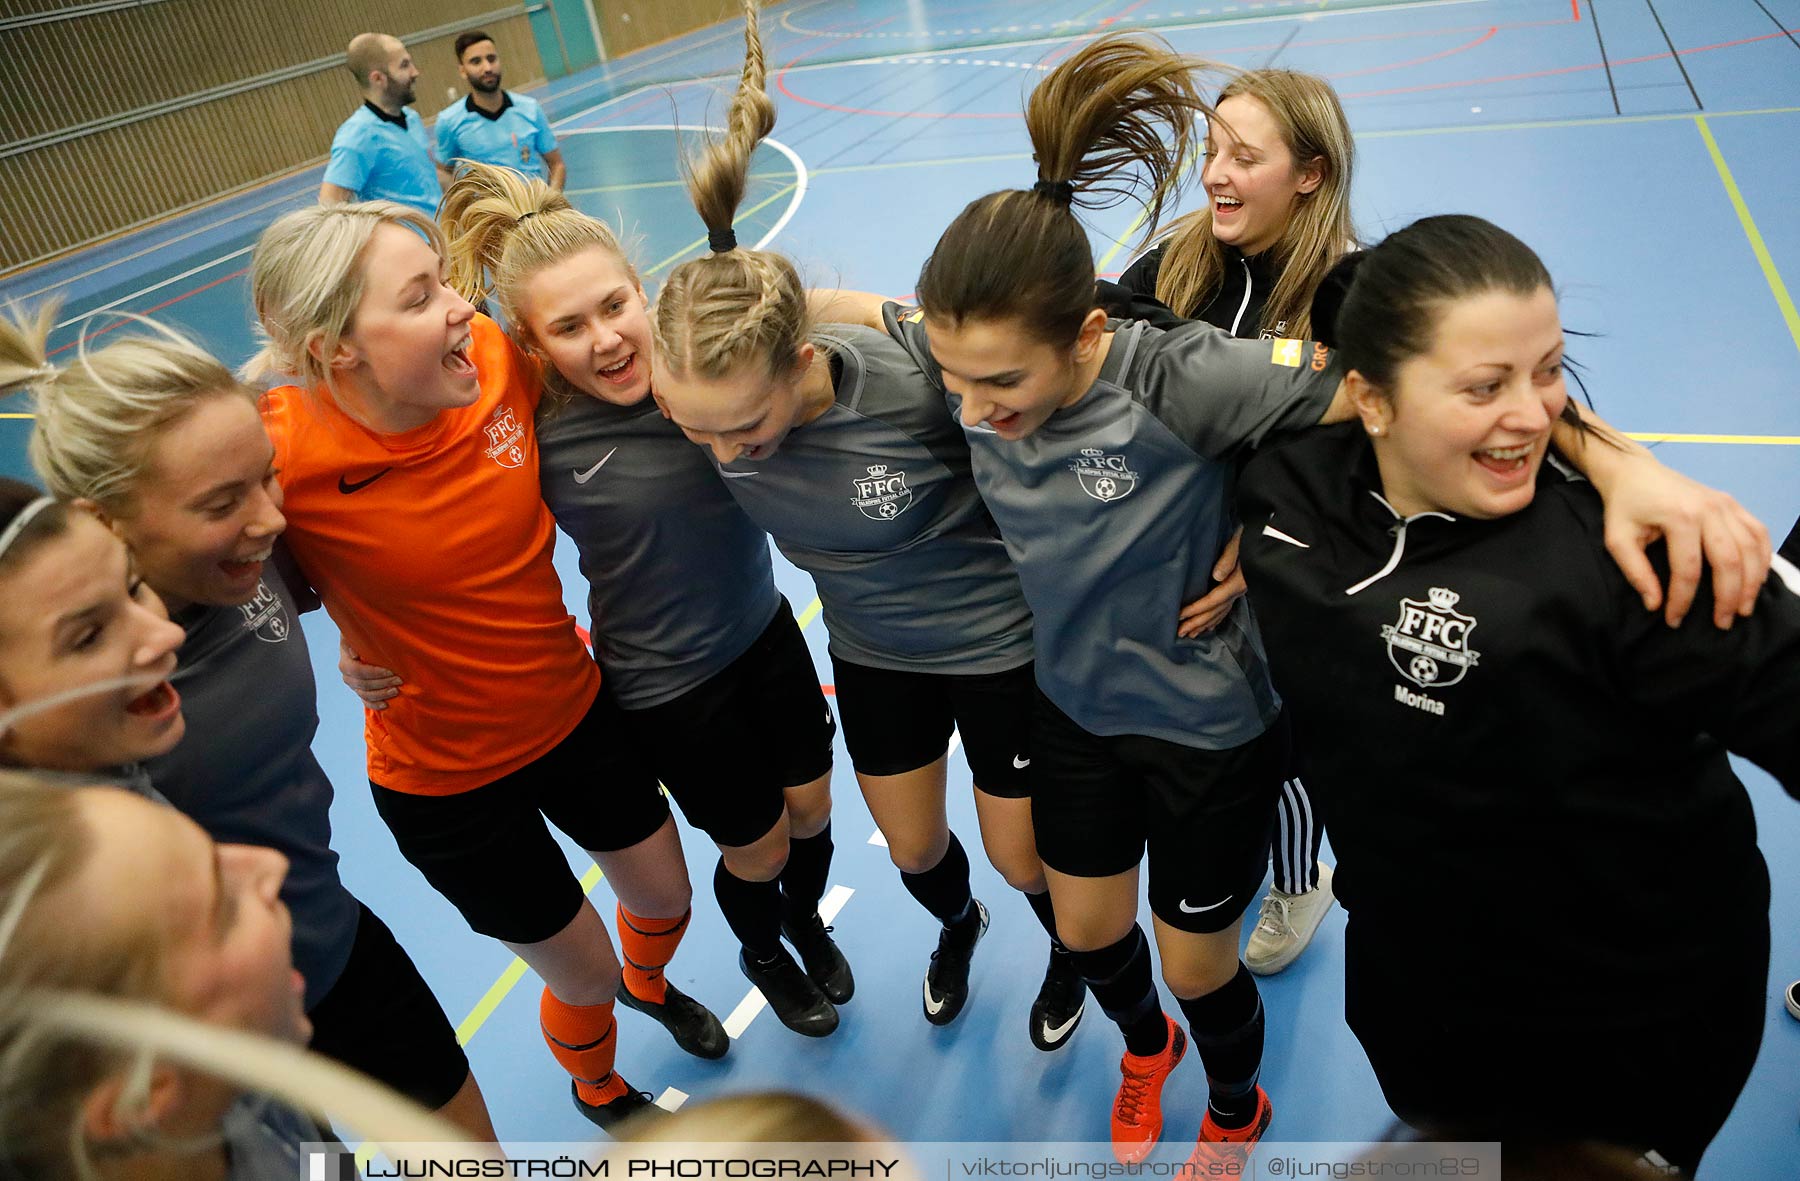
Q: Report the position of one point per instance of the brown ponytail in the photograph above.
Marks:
(1115, 121)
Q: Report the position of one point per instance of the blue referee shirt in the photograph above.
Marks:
(515, 136)
(383, 157)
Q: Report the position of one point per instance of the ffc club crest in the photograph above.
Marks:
(1429, 643)
(1103, 477)
(506, 438)
(266, 615)
(881, 495)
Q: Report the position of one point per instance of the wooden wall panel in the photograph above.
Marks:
(70, 73)
(632, 24)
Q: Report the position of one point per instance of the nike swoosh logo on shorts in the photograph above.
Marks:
(584, 477)
(1020, 764)
(737, 475)
(1186, 909)
(1278, 535)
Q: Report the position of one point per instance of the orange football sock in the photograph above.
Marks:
(646, 946)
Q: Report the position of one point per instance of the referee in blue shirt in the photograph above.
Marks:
(381, 152)
(493, 126)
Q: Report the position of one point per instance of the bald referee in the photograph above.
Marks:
(380, 153)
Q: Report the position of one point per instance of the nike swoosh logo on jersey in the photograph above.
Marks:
(1278, 535)
(737, 475)
(1186, 909)
(347, 487)
(1020, 764)
(584, 477)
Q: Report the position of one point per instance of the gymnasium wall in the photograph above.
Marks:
(117, 114)
(633, 24)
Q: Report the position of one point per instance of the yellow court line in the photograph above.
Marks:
(1782, 300)
(1143, 213)
(1552, 124)
(1751, 440)
(18, 416)
(515, 971)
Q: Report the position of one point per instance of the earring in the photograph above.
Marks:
(1375, 430)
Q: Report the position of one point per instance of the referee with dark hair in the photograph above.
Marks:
(492, 124)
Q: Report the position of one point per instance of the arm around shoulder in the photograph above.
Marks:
(1646, 502)
(834, 305)
(1741, 686)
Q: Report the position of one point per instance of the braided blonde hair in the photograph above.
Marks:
(734, 306)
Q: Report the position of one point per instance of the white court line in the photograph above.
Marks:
(203, 229)
(753, 1003)
(1089, 34)
(800, 185)
(801, 188)
(880, 841)
(205, 266)
(671, 1099)
(800, 174)
(308, 185)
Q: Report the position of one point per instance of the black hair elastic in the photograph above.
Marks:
(723, 240)
(1062, 191)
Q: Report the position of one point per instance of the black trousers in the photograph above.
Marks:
(1455, 1063)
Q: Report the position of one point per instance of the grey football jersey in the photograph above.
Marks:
(874, 499)
(680, 582)
(245, 770)
(1115, 510)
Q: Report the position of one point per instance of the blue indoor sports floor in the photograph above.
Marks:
(1650, 154)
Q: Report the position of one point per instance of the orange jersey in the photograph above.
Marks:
(432, 552)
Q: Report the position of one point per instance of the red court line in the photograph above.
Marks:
(1069, 46)
(1626, 61)
(1575, 11)
(120, 323)
(1419, 61)
(781, 84)
(1121, 16)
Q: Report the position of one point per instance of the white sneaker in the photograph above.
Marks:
(1287, 924)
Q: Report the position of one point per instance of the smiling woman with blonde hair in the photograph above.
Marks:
(408, 463)
(162, 444)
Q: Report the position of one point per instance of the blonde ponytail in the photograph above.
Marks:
(734, 306)
(504, 227)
